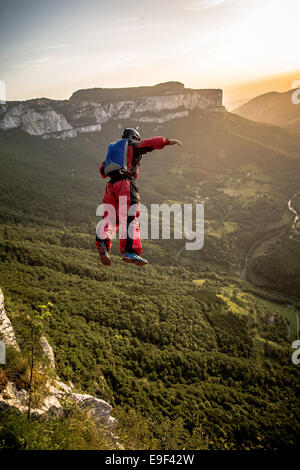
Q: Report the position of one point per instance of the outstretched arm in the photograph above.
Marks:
(155, 143)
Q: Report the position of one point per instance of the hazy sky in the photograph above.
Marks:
(54, 47)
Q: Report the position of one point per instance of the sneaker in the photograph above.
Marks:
(104, 256)
(134, 259)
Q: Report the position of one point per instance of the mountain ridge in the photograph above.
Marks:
(275, 108)
(87, 110)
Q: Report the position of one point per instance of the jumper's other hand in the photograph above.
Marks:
(175, 141)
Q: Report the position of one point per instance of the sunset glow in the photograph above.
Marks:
(54, 48)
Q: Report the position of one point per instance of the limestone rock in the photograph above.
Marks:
(98, 409)
(48, 351)
(18, 399)
(66, 119)
(7, 333)
(34, 121)
(164, 117)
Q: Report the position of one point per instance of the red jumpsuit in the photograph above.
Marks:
(123, 184)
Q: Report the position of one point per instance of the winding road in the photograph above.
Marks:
(292, 309)
(296, 232)
(256, 243)
(244, 268)
(296, 218)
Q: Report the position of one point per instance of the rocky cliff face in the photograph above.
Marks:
(87, 110)
(7, 334)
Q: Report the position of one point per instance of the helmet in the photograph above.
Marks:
(131, 132)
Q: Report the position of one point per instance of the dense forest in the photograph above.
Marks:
(186, 340)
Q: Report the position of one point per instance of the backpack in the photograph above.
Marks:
(116, 157)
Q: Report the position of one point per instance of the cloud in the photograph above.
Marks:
(204, 5)
(43, 63)
(105, 64)
(125, 20)
(195, 43)
(56, 46)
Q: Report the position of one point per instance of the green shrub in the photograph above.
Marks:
(74, 431)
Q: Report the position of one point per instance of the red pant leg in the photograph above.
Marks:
(128, 212)
(109, 223)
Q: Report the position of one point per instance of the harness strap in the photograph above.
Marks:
(119, 176)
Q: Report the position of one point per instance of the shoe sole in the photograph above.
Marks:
(105, 260)
(137, 263)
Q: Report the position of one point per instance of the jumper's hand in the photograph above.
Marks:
(175, 141)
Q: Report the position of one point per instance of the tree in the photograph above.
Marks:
(35, 325)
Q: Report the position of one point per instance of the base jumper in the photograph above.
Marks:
(121, 197)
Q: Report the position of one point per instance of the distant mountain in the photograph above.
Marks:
(236, 95)
(87, 110)
(272, 108)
